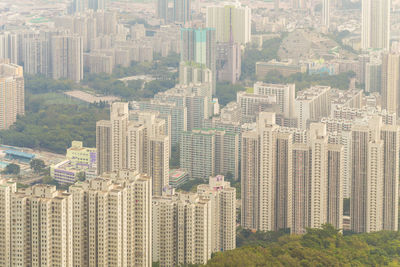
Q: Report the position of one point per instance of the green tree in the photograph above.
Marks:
(37, 165)
(49, 180)
(12, 169)
(81, 176)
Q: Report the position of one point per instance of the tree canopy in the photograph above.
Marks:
(252, 55)
(318, 247)
(303, 80)
(37, 165)
(12, 169)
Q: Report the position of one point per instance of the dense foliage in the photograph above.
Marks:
(303, 80)
(52, 120)
(318, 247)
(109, 84)
(252, 55)
(226, 92)
(37, 165)
(12, 169)
(53, 127)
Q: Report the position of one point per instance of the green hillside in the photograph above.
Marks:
(318, 247)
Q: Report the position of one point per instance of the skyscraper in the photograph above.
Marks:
(182, 11)
(117, 206)
(162, 10)
(140, 143)
(181, 229)
(199, 46)
(208, 152)
(12, 99)
(223, 212)
(318, 183)
(67, 57)
(249, 180)
(290, 181)
(301, 187)
(326, 12)
(335, 163)
(9, 47)
(375, 24)
(103, 221)
(283, 183)
(229, 60)
(232, 22)
(367, 177)
(7, 189)
(390, 136)
(391, 82)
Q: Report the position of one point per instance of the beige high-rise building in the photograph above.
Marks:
(391, 82)
(181, 229)
(117, 209)
(326, 13)
(284, 93)
(209, 152)
(318, 183)
(119, 117)
(7, 189)
(232, 22)
(312, 104)
(103, 145)
(9, 47)
(258, 174)
(136, 141)
(375, 24)
(291, 179)
(67, 57)
(301, 187)
(335, 174)
(102, 222)
(390, 135)
(283, 184)
(223, 212)
(366, 202)
(249, 179)
(41, 227)
(12, 96)
(159, 162)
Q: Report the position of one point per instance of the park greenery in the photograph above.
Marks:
(318, 247)
(252, 55)
(37, 165)
(303, 80)
(226, 92)
(12, 168)
(51, 120)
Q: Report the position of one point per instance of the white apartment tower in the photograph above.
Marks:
(390, 82)
(326, 12)
(7, 188)
(12, 96)
(140, 143)
(375, 24)
(232, 22)
(102, 222)
(367, 177)
(290, 182)
(181, 229)
(117, 207)
(223, 210)
(284, 93)
(41, 227)
(67, 57)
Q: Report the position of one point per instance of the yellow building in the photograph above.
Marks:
(77, 153)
